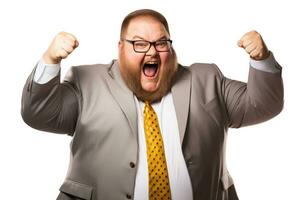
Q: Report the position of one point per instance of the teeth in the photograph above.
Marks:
(152, 62)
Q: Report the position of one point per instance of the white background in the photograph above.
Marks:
(263, 159)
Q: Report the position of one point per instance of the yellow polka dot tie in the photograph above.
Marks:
(159, 187)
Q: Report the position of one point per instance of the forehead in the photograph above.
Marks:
(147, 28)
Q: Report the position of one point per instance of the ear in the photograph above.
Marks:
(120, 45)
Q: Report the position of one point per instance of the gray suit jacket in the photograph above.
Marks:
(95, 107)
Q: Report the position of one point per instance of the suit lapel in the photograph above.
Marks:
(181, 97)
(123, 96)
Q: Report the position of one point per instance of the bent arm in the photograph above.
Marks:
(257, 101)
(52, 106)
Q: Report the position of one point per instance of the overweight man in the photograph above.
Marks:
(144, 126)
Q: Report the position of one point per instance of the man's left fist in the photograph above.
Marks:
(254, 45)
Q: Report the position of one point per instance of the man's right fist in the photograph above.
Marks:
(62, 45)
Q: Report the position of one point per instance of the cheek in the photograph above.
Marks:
(134, 59)
(164, 58)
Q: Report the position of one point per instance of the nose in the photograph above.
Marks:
(152, 51)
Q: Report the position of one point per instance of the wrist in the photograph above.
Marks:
(49, 60)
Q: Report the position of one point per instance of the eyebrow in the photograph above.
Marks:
(141, 38)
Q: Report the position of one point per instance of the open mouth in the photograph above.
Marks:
(150, 69)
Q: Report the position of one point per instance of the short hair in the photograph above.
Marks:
(143, 13)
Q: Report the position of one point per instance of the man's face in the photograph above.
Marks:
(148, 75)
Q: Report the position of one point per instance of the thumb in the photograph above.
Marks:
(76, 43)
(240, 43)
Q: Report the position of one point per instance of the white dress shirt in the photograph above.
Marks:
(180, 183)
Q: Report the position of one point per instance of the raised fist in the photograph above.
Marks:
(254, 45)
(62, 45)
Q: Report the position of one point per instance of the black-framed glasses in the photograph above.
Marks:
(143, 46)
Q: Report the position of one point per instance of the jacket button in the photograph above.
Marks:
(132, 165)
(128, 196)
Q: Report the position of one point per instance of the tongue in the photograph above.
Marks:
(149, 71)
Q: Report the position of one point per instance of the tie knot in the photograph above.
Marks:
(147, 107)
(149, 112)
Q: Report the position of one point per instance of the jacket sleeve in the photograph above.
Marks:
(257, 101)
(53, 106)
